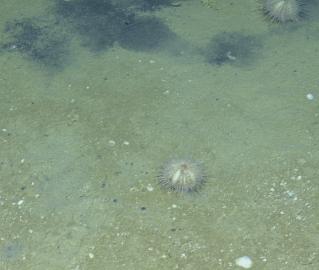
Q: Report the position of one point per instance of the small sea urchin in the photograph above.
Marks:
(282, 10)
(182, 175)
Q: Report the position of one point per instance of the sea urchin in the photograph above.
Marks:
(182, 175)
(282, 10)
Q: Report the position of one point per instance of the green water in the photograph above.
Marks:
(83, 135)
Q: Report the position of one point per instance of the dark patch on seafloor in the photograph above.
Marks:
(145, 5)
(232, 48)
(11, 251)
(100, 24)
(41, 42)
(151, 5)
(145, 34)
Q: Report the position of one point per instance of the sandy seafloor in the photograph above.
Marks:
(81, 144)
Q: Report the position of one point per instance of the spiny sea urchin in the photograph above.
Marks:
(182, 175)
(282, 10)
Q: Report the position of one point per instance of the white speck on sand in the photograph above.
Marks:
(149, 188)
(91, 255)
(20, 202)
(111, 143)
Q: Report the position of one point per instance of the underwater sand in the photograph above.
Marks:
(86, 123)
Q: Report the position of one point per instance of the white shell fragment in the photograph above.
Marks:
(310, 96)
(244, 262)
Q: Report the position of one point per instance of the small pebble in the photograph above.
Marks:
(20, 202)
(91, 255)
(149, 188)
(183, 255)
(244, 262)
(111, 143)
(310, 96)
